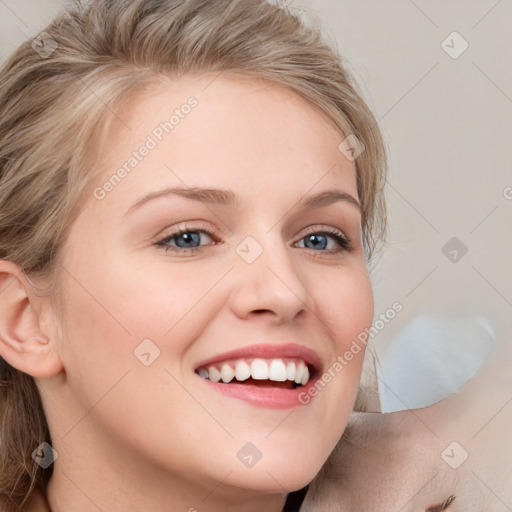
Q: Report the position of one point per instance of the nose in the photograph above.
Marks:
(270, 287)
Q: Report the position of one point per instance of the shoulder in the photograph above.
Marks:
(381, 461)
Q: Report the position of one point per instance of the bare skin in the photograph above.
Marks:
(159, 436)
(394, 461)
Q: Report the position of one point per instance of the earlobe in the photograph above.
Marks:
(22, 343)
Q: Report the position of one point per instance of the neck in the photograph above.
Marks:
(95, 475)
(68, 494)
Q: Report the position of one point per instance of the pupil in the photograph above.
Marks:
(314, 240)
(188, 237)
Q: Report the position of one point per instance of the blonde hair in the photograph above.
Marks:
(58, 100)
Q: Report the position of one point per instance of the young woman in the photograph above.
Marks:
(190, 194)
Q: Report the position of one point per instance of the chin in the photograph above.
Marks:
(278, 471)
(279, 479)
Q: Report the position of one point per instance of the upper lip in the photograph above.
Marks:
(268, 351)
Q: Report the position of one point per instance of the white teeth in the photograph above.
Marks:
(277, 370)
(298, 373)
(259, 369)
(227, 373)
(214, 374)
(290, 371)
(305, 376)
(242, 371)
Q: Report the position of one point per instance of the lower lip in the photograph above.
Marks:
(271, 398)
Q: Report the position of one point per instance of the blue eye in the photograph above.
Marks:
(186, 240)
(318, 241)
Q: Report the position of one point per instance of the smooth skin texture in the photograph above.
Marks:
(416, 459)
(136, 437)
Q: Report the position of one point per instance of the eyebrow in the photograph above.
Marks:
(229, 198)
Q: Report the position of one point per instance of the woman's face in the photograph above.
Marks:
(260, 268)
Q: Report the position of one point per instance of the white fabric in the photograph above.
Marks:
(433, 356)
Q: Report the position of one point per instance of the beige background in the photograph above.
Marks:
(448, 127)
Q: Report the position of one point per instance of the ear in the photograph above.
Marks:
(22, 343)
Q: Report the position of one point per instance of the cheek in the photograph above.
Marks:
(97, 341)
(106, 320)
(347, 307)
(108, 314)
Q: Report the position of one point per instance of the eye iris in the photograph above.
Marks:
(191, 236)
(187, 239)
(314, 239)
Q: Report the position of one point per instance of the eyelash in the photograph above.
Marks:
(344, 241)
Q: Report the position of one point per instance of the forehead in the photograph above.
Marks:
(222, 131)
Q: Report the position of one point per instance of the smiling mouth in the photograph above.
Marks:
(284, 373)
